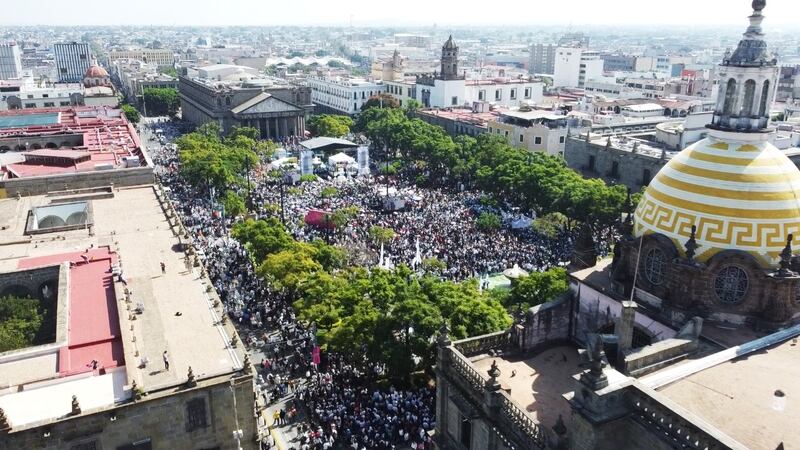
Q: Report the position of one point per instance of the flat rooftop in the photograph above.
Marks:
(742, 397)
(39, 389)
(100, 132)
(538, 382)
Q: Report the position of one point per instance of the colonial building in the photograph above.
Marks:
(686, 339)
(233, 96)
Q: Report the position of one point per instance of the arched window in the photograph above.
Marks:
(762, 109)
(655, 266)
(749, 96)
(731, 284)
(730, 97)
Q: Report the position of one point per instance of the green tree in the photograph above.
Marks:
(262, 237)
(487, 221)
(381, 235)
(233, 203)
(288, 268)
(330, 125)
(412, 106)
(20, 323)
(162, 101)
(131, 113)
(171, 71)
(550, 225)
(537, 288)
(382, 100)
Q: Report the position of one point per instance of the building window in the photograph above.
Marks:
(498, 94)
(91, 445)
(537, 140)
(45, 95)
(64, 103)
(490, 130)
(49, 104)
(196, 414)
(655, 264)
(482, 95)
(466, 433)
(513, 94)
(614, 169)
(562, 139)
(521, 138)
(731, 284)
(527, 92)
(454, 101)
(506, 133)
(30, 105)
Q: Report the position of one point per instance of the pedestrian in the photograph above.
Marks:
(166, 360)
(163, 268)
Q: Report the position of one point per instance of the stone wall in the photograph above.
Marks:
(546, 323)
(161, 420)
(133, 176)
(630, 167)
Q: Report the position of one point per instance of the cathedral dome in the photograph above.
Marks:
(96, 71)
(739, 190)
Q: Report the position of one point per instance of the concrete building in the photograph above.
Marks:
(342, 95)
(788, 84)
(412, 40)
(683, 340)
(536, 131)
(542, 59)
(98, 377)
(159, 57)
(458, 121)
(25, 93)
(391, 69)
(72, 61)
(234, 96)
(134, 76)
(10, 61)
(574, 66)
(618, 62)
(506, 92)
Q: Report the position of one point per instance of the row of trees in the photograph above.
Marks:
(533, 181)
(377, 318)
(209, 160)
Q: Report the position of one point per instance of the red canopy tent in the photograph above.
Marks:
(319, 219)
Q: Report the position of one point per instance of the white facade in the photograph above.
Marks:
(72, 61)
(504, 93)
(535, 131)
(158, 56)
(10, 61)
(25, 94)
(574, 66)
(343, 95)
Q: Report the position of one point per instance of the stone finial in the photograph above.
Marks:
(691, 244)
(663, 153)
(234, 341)
(786, 259)
(76, 407)
(759, 5)
(635, 148)
(191, 381)
(444, 334)
(494, 371)
(136, 393)
(560, 428)
(595, 378)
(588, 137)
(4, 425)
(608, 142)
(247, 366)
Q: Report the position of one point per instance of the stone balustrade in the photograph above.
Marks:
(481, 344)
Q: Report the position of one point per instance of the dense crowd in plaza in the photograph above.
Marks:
(342, 411)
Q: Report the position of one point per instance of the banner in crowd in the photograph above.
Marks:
(306, 162)
(362, 155)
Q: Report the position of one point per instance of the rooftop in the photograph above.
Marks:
(52, 135)
(464, 115)
(537, 382)
(717, 395)
(38, 388)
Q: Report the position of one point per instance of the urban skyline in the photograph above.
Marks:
(412, 13)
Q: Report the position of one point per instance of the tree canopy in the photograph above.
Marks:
(330, 125)
(131, 113)
(161, 101)
(20, 323)
(382, 100)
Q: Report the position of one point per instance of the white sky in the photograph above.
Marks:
(383, 12)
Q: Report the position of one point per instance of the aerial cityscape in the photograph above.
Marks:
(420, 226)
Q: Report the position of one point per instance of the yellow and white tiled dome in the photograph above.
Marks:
(739, 190)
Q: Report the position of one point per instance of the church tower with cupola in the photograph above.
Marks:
(747, 81)
(713, 234)
(450, 60)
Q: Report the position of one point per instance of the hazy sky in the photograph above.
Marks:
(403, 12)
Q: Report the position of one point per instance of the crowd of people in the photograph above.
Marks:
(342, 410)
(440, 223)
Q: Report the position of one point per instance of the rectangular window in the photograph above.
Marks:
(498, 94)
(30, 95)
(521, 137)
(63, 70)
(454, 101)
(513, 94)
(506, 133)
(482, 94)
(527, 92)
(45, 95)
(401, 90)
(537, 140)
(64, 103)
(30, 105)
(49, 104)
(196, 414)
(562, 139)
(466, 433)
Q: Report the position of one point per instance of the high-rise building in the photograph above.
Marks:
(72, 61)
(542, 58)
(10, 61)
(574, 66)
